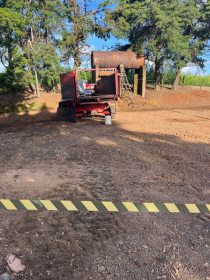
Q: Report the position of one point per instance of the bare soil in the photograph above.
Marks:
(158, 152)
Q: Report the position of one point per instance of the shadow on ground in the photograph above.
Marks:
(88, 160)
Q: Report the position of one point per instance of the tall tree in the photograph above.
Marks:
(11, 31)
(81, 21)
(45, 25)
(161, 30)
(35, 28)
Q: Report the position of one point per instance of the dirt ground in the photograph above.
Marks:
(158, 152)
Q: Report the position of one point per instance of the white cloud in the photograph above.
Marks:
(196, 70)
(193, 69)
(87, 49)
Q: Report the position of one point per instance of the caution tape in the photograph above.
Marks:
(102, 206)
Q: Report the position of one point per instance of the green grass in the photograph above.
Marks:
(22, 107)
(193, 80)
(186, 80)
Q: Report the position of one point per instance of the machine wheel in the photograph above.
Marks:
(72, 114)
(67, 111)
(61, 114)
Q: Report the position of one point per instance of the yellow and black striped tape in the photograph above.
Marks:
(102, 206)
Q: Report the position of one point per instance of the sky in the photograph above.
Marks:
(197, 70)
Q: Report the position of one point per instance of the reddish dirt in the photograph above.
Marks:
(151, 154)
(182, 97)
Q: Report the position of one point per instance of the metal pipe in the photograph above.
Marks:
(109, 59)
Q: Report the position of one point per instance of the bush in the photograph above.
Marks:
(10, 84)
(168, 78)
(17, 76)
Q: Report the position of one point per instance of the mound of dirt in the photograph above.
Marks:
(183, 97)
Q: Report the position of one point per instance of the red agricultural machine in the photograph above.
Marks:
(87, 98)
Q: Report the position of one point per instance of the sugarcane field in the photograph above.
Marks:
(104, 140)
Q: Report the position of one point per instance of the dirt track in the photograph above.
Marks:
(152, 155)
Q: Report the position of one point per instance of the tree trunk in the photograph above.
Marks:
(35, 72)
(75, 28)
(157, 74)
(76, 57)
(37, 84)
(177, 80)
(32, 87)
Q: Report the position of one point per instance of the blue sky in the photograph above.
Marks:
(196, 70)
(99, 44)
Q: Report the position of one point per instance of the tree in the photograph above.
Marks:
(162, 30)
(47, 63)
(41, 34)
(203, 30)
(25, 26)
(45, 23)
(204, 20)
(11, 56)
(81, 21)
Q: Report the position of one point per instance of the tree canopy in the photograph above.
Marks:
(165, 31)
(39, 38)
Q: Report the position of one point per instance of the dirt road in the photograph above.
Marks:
(153, 155)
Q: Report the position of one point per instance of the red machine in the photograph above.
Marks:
(80, 98)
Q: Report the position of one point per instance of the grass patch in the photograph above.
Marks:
(186, 80)
(22, 108)
(193, 80)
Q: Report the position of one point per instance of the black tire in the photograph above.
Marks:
(67, 111)
(61, 114)
(72, 114)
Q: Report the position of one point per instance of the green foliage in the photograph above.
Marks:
(85, 75)
(81, 22)
(46, 61)
(150, 77)
(11, 23)
(36, 36)
(161, 30)
(130, 74)
(168, 78)
(28, 44)
(15, 78)
(185, 80)
(204, 20)
(193, 80)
